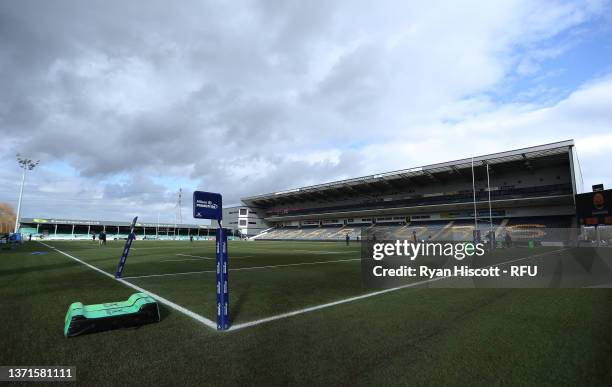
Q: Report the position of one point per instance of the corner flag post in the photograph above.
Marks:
(126, 250)
(222, 280)
(208, 205)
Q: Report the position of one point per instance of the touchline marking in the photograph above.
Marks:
(367, 295)
(273, 250)
(295, 264)
(157, 247)
(200, 257)
(194, 256)
(319, 252)
(244, 268)
(180, 260)
(169, 274)
(168, 303)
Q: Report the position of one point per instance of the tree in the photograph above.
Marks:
(7, 218)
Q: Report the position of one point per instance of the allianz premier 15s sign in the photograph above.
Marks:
(207, 205)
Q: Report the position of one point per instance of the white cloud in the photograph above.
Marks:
(584, 116)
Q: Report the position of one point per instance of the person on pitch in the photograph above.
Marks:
(508, 240)
(348, 239)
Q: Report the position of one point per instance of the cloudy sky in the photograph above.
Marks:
(125, 102)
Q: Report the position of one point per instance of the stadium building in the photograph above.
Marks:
(47, 228)
(529, 187)
(243, 220)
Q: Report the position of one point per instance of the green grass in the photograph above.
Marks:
(411, 336)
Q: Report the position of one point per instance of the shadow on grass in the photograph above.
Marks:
(236, 308)
(164, 312)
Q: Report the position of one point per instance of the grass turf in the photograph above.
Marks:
(412, 336)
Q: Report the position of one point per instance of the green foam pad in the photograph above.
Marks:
(137, 310)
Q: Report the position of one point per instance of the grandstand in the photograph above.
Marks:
(311, 233)
(529, 188)
(70, 229)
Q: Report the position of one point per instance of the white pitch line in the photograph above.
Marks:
(367, 295)
(159, 247)
(245, 268)
(168, 303)
(295, 264)
(275, 250)
(169, 274)
(200, 257)
(318, 252)
(195, 256)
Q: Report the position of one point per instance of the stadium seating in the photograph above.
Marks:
(541, 229)
(541, 222)
(442, 198)
(316, 233)
(520, 229)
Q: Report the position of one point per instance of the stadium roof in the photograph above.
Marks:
(527, 157)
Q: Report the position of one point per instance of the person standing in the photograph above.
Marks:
(348, 239)
(508, 240)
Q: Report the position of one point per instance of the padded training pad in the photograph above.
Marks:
(138, 310)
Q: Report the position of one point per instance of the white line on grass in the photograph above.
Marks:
(295, 264)
(159, 247)
(168, 303)
(275, 250)
(201, 257)
(195, 256)
(245, 268)
(367, 295)
(318, 252)
(169, 274)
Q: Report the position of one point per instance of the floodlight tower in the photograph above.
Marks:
(27, 165)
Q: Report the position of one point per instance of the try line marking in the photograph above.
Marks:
(244, 268)
(165, 301)
(367, 295)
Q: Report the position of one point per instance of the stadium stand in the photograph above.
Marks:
(518, 189)
(322, 233)
(432, 199)
(539, 229)
(67, 229)
(526, 194)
